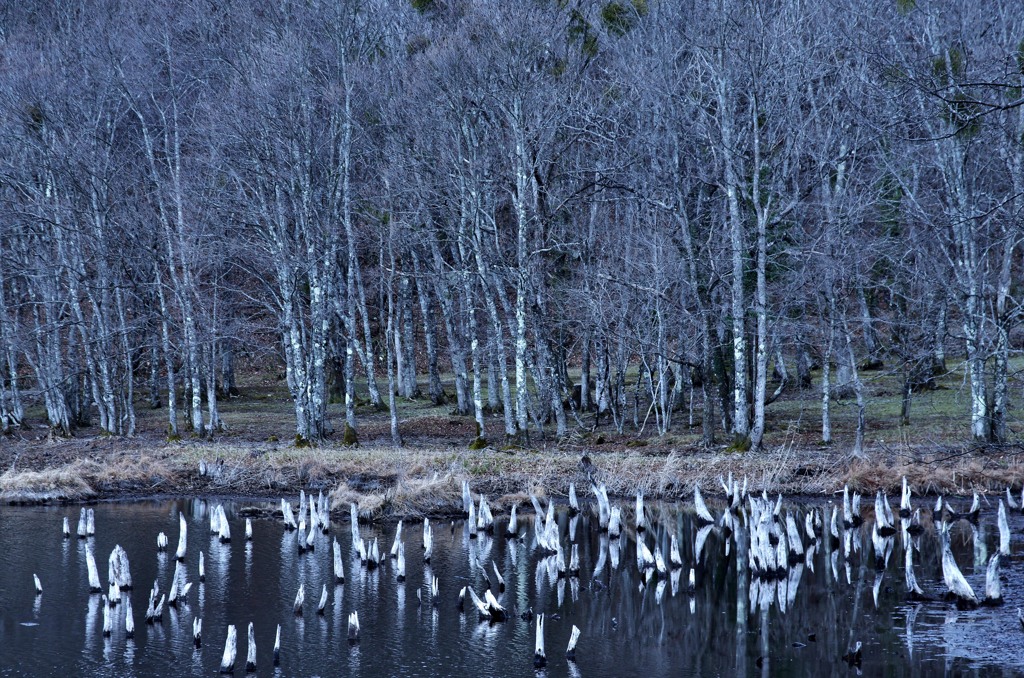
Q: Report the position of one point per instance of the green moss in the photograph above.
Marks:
(272, 439)
(618, 18)
(640, 442)
(350, 439)
(478, 443)
(582, 32)
(302, 442)
(739, 444)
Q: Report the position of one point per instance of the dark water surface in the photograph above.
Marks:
(732, 625)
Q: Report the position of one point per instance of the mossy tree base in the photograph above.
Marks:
(739, 444)
(350, 439)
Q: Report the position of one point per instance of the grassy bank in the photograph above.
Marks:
(386, 482)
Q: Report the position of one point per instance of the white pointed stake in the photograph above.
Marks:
(227, 662)
(300, 598)
(614, 522)
(161, 542)
(495, 610)
(673, 553)
(570, 652)
(954, 578)
(202, 567)
(428, 541)
(373, 557)
(700, 507)
(322, 605)
(277, 646)
(311, 538)
(353, 513)
(90, 523)
(539, 660)
(339, 566)
(119, 568)
(66, 528)
(250, 652)
(513, 522)
(224, 533)
(289, 517)
(94, 574)
(1004, 531)
(182, 537)
(39, 587)
(83, 525)
(398, 540)
(993, 587)
(248, 529)
(197, 631)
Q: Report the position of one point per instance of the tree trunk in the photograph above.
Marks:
(434, 388)
(826, 376)
(584, 401)
(391, 331)
(493, 389)
(706, 385)
(803, 363)
(858, 390)
(408, 331)
(456, 349)
(165, 338)
(228, 386)
(737, 248)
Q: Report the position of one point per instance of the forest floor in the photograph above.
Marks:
(255, 457)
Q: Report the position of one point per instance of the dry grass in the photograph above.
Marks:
(938, 474)
(390, 483)
(87, 478)
(64, 483)
(408, 498)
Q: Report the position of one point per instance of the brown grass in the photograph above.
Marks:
(960, 474)
(387, 483)
(408, 498)
(87, 478)
(64, 483)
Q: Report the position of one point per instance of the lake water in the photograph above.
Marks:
(731, 625)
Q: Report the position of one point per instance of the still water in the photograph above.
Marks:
(730, 625)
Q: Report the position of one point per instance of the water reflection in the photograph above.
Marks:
(635, 620)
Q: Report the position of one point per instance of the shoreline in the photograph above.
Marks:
(389, 483)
